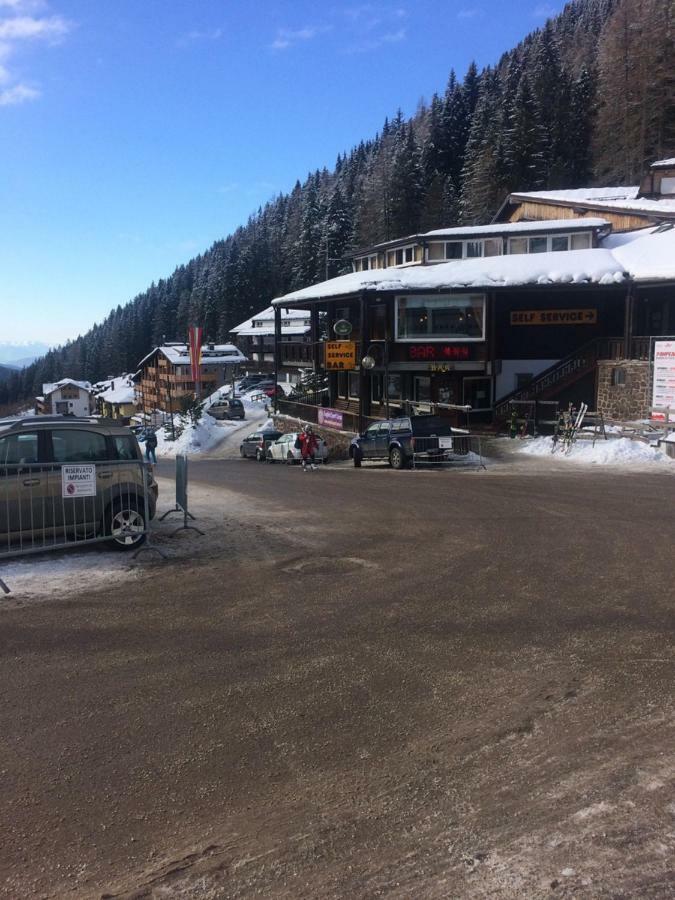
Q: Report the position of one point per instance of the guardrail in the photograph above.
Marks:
(50, 506)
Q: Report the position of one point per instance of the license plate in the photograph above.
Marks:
(445, 443)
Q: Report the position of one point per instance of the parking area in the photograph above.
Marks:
(365, 683)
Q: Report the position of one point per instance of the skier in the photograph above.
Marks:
(308, 446)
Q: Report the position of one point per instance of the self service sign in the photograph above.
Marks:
(78, 481)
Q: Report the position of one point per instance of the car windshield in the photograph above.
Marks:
(235, 402)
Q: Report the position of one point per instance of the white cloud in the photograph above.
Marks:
(18, 93)
(388, 37)
(289, 37)
(21, 23)
(472, 13)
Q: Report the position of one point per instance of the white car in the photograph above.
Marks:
(284, 450)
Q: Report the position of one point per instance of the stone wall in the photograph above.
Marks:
(630, 400)
(338, 441)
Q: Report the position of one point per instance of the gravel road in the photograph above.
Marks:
(360, 683)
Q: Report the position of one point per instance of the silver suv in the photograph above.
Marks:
(42, 503)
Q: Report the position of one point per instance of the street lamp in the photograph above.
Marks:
(369, 362)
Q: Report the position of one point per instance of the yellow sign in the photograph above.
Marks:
(554, 317)
(340, 355)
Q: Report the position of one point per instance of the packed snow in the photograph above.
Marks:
(612, 452)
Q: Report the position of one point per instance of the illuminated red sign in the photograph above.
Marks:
(438, 352)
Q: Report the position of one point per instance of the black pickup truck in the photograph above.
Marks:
(428, 438)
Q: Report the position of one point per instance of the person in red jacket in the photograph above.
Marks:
(308, 447)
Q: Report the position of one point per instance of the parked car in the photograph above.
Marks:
(255, 445)
(33, 510)
(284, 450)
(273, 389)
(248, 382)
(397, 440)
(227, 409)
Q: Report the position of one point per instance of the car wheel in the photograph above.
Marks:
(259, 456)
(242, 453)
(290, 459)
(396, 458)
(269, 458)
(126, 525)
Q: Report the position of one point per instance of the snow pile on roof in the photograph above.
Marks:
(118, 390)
(266, 316)
(644, 255)
(212, 354)
(510, 227)
(50, 388)
(618, 198)
(571, 267)
(663, 163)
(612, 452)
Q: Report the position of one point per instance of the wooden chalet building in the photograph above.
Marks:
(165, 374)
(255, 339)
(527, 307)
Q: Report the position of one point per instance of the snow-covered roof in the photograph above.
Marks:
(525, 227)
(663, 163)
(212, 354)
(617, 199)
(267, 315)
(648, 256)
(268, 328)
(50, 388)
(118, 390)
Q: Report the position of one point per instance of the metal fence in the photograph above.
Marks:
(464, 449)
(48, 506)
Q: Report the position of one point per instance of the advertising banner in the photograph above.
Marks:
(78, 481)
(340, 354)
(663, 387)
(331, 418)
(554, 317)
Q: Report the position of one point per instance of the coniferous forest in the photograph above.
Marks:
(589, 99)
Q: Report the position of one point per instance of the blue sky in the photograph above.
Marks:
(134, 134)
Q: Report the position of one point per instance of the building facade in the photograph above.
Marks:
(66, 398)
(255, 339)
(165, 375)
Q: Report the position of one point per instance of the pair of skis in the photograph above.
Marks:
(569, 425)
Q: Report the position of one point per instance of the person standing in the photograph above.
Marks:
(308, 447)
(151, 447)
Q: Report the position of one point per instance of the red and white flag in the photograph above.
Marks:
(195, 341)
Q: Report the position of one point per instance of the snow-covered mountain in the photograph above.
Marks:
(21, 354)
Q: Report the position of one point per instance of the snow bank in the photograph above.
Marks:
(66, 573)
(613, 452)
(209, 432)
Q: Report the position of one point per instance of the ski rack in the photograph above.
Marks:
(569, 425)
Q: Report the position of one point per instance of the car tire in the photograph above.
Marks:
(397, 458)
(270, 460)
(121, 515)
(259, 456)
(241, 453)
(290, 459)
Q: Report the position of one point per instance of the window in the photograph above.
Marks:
(125, 447)
(551, 242)
(408, 251)
(376, 388)
(399, 257)
(454, 250)
(394, 385)
(353, 384)
(422, 388)
(618, 377)
(19, 449)
(492, 247)
(474, 249)
(459, 316)
(581, 241)
(436, 252)
(78, 446)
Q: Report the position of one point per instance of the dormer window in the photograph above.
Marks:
(469, 249)
(550, 243)
(401, 256)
